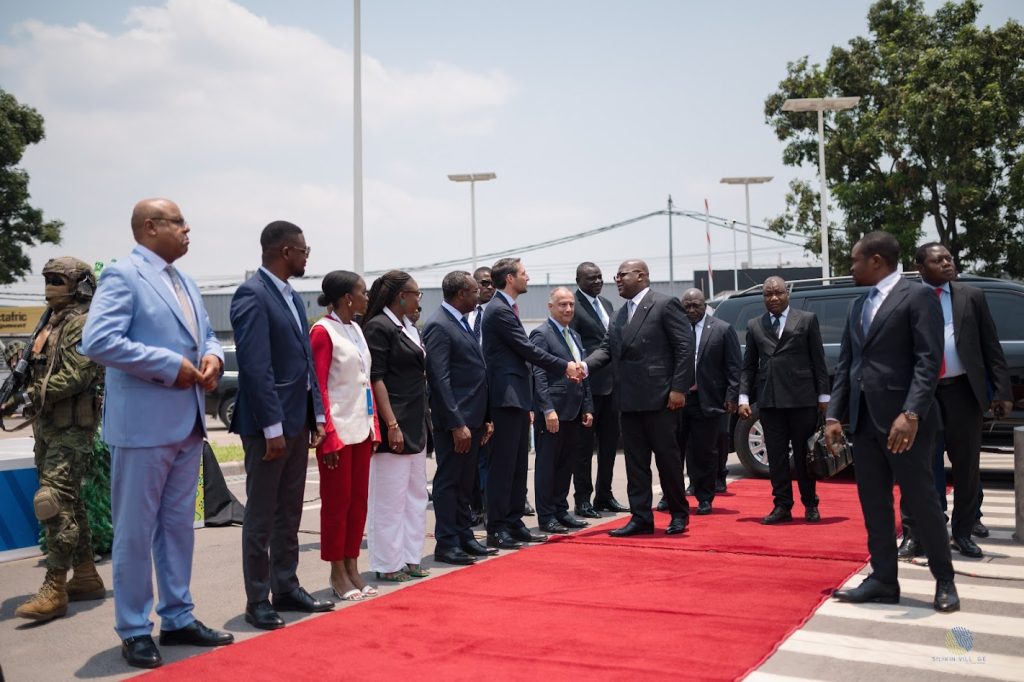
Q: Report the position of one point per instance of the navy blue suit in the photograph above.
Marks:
(508, 354)
(276, 384)
(569, 401)
(457, 387)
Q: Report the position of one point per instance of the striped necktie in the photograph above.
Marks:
(183, 301)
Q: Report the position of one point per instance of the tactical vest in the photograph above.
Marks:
(59, 358)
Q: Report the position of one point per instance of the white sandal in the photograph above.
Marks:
(368, 591)
(351, 595)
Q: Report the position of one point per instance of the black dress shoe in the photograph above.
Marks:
(778, 515)
(703, 508)
(572, 522)
(263, 616)
(870, 590)
(967, 547)
(474, 548)
(586, 510)
(678, 524)
(662, 505)
(300, 600)
(689, 491)
(141, 652)
(609, 505)
(524, 534)
(553, 526)
(980, 530)
(634, 527)
(528, 510)
(720, 487)
(946, 598)
(196, 634)
(502, 540)
(812, 515)
(454, 556)
(909, 548)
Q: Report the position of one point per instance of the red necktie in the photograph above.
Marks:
(942, 367)
(515, 309)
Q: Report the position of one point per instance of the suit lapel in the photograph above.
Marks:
(856, 314)
(583, 302)
(275, 294)
(709, 328)
(959, 300)
(639, 315)
(769, 334)
(152, 276)
(462, 331)
(898, 293)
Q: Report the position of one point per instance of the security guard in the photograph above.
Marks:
(63, 398)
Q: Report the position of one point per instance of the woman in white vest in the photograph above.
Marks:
(398, 478)
(342, 362)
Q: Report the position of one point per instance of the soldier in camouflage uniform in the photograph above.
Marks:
(64, 399)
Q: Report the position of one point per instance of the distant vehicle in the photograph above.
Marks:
(831, 303)
(220, 402)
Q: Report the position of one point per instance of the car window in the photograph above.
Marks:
(832, 313)
(753, 309)
(1008, 311)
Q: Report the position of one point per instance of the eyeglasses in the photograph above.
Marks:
(485, 283)
(301, 249)
(54, 280)
(418, 294)
(180, 222)
(622, 275)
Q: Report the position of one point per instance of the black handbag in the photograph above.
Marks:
(822, 463)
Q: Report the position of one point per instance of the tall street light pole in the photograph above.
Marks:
(472, 179)
(747, 182)
(357, 144)
(821, 105)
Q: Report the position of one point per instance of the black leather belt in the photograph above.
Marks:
(952, 380)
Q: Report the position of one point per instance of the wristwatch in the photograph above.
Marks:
(911, 415)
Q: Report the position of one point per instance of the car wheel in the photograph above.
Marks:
(227, 410)
(748, 438)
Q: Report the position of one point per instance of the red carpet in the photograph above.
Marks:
(711, 604)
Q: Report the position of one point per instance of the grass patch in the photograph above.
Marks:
(228, 453)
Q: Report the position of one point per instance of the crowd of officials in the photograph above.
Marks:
(370, 391)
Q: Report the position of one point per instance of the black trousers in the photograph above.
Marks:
(506, 475)
(963, 421)
(273, 511)
(605, 432)
(643, 433)
(783, 426)
(552, 469)
(697, 437)
(453, 485)
(724, 448)
(876, 468)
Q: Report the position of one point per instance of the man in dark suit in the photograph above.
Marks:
(280, 416)
(591, 321)
(972, 361)
(567, 409)
(457, 381)
(508, 354)
(885, 387)
(784, 371)
(650, 347)
(714, 393)
(478, 503)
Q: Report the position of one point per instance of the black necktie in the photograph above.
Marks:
(465, 323)
(775, 325)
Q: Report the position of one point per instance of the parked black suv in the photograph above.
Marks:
(221, 402)
(831, 303)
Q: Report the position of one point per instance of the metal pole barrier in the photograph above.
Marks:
(1018, 482)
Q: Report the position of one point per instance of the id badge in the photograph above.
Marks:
(369, 402)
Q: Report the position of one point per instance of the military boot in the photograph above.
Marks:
(86, 583)
(50, 602)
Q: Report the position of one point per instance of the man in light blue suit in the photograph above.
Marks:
(148, 327)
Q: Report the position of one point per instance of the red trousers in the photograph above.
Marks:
(343, 493)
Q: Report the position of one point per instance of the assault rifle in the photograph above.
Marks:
(19, 376)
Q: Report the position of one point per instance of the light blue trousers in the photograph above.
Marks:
(153, 492)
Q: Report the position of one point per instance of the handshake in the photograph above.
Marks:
(575, 372)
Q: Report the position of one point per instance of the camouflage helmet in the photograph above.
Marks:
(12, 353)
(81, 280)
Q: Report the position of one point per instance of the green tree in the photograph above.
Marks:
(21, 224)
(936, 138)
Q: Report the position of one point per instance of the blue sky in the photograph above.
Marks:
(589, 112)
